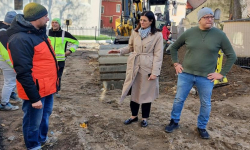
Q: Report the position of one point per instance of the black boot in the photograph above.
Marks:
(203, 133)
(172, 126)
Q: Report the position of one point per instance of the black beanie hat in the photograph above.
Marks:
(34, 11)
(168, 23)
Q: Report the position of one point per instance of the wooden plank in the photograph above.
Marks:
(174, 29)
(113, 60)
(111, 85)
(112, 46)
(181, 30)
(105, 53)
(113, 76)
(174, 36)
(116, 68)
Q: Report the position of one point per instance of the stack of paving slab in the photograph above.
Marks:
(112, 67)
(174, 32)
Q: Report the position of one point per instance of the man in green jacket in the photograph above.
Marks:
(198, 68)
(9, 74)
(59, 40)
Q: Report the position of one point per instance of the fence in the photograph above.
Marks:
(92, 31)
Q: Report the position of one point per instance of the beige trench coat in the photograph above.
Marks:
(145, 58)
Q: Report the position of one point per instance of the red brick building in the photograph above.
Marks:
(111, 10)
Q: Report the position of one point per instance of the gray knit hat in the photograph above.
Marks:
(204, 11)
(10, 15)
(34, 11)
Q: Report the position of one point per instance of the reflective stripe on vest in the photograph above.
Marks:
(9, 63)
(74, 46)
(63, 35)
(1, 58)
(60, 57)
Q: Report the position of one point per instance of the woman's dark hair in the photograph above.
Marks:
(151, 17)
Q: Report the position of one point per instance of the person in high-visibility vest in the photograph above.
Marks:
(9, 74)
(59, 40)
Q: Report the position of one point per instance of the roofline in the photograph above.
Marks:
(238, 20)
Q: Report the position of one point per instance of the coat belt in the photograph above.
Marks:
(135, 55)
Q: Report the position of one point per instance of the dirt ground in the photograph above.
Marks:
(84, 100)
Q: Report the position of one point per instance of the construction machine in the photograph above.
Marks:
(131, 13)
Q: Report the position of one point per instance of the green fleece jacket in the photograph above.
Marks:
(202, 51)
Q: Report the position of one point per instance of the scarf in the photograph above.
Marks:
(144, 32)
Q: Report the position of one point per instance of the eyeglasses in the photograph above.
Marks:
(208, 17)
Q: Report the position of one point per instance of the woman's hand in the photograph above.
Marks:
(114, 51)
(152, 77)
(178, 68)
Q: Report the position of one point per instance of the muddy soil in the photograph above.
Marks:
(83, 100)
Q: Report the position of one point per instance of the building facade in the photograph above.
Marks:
(81, 13)
(176, 12)
(110, 11)
(221, 11)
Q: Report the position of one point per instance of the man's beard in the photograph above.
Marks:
(43, 26)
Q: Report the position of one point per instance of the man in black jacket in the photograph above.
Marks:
(36, 67)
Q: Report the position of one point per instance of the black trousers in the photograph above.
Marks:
(145, 108)
(61, 65)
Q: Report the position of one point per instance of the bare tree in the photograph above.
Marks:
(235, 12)
(64, 7)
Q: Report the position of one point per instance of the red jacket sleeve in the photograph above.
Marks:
(165, 33)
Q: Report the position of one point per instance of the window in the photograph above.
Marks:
(110, 19)
(102, 11)
(118, 8)
(37, 1)
(174, 10)
(18, 4)
(217, 14)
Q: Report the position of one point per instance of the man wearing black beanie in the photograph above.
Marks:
(36, 67)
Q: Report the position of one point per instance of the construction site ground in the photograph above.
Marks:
(83, 100)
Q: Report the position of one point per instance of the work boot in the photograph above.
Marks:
(172, 126)
(168, 52)
(8, 107)
(203, 133)
(14, 97)
(57, 95)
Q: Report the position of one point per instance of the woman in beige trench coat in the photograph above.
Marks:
(143, 67)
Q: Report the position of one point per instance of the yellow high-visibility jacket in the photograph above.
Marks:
(59, 40)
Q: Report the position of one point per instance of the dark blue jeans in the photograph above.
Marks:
(204, 86)
(36, 122)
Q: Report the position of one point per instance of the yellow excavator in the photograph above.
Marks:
(131, 12)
